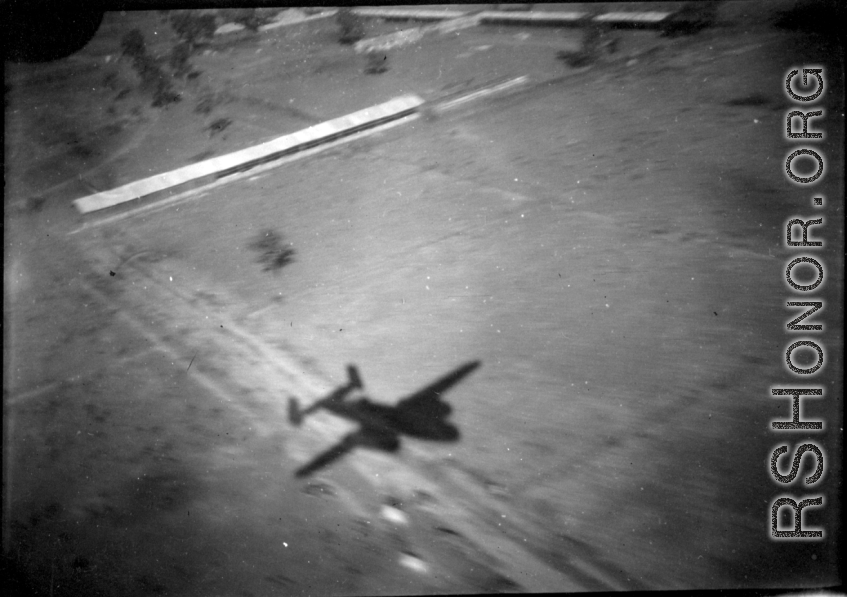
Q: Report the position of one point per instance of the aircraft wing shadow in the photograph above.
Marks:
(365, 437)
(432, 393)
(328, 457)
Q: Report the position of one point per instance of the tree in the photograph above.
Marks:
(148, 69)
(352, 28)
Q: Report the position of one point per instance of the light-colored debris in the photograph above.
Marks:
(394, 515)
(229, 28)
(413, 563)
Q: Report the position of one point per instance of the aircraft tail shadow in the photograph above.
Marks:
(295, 415)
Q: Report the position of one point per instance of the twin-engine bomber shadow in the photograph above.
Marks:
(422, 415)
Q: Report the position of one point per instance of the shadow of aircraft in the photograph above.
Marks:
(421, 415)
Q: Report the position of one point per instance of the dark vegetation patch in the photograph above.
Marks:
(249, 17)
(351, 27)
(274, 254)
(208, 101)
(178, 60)
(377, 63)
(598, 39)
(153, 78)
(193, 29)
(35, 204)
(218, 126)
(691, 19)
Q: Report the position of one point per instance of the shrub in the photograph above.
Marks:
(164, 94)
(248, 18)
(208, 100)
(148, 69)
(218, 126)
(377, 63)
(180, 54)
(692, 18)
(132, 44)
(596, 38)
(273, 254)
(193, 29)
(352, 28)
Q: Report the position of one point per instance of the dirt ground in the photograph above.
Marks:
(608, 241)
